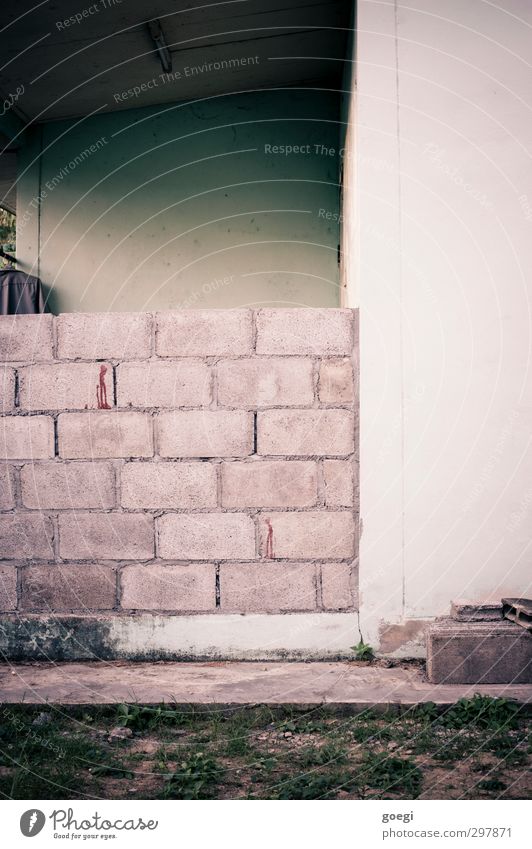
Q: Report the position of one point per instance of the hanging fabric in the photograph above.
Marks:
(20, 293)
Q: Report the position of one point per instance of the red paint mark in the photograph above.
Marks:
(269, 541)
(101, 391)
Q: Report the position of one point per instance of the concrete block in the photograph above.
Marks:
(157, 383)
(160, 486)
(269, 483)
(66, 386)
(26, 338)
(8, 587)
(305, 432)
(338, 586)
(26, 536)
(102, 336)
(206, 536)
(105, 434)
(476, 611)
(518, 610)
(67, 486)
(264, 382)
(203, 333)
(307, 535)
(106, 536)
(336, 382)
(178, 587)
(204, 433)
(478, 653)
(339, 484)
(26, 437)
(65, 586)
(305, 331)
(7, 492)
(7, 389)
(267, 587)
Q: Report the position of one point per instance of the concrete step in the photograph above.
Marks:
(349, 686)
(464, 610)
(478, 652)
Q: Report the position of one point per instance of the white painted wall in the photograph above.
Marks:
(224, 202)
(443, 207)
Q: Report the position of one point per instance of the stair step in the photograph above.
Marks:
(496, 652)
(464, 610)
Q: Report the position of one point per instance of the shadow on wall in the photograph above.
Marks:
(229, 202)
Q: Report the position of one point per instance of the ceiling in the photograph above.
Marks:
(64, 59)
(77, 67)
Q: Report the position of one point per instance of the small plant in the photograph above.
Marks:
(314, 785)
(506, 748)
(196, 777)
(143, 718)
(288, 725)
(329, 753)
(391, 774)
(302, 725)
(237, 746)
(426, 711)
(374, 731)
(482, 712)
(492, 785)
(455, 748)
(363, 651)
(264, 764)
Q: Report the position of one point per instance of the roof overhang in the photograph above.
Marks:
(63, 62)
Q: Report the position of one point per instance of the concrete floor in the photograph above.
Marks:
(231, 683)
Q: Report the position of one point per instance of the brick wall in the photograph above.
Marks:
(195, 461)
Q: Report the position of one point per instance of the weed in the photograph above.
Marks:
(363, 651)
(67, 755)
(302, 725)
(329, 753)
(145, 718)
(391, 774)
(237, 745)
(265, 764)
(427, 712)
(46, 766)
(195, 778)
(454, 748)
(425, 740)
(370, 732)
(482, 712)
(505, 748)
(315, 785)
(493, 785)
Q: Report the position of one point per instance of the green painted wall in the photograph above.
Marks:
(186, 206)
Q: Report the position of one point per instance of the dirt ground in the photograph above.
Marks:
(480, 748)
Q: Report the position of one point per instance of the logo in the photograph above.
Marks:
(32, 822)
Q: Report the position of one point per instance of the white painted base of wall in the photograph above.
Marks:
(151, 637)
(233, 636)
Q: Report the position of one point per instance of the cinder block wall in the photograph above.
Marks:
(183, 462)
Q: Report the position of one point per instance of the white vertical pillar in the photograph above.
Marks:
(439, 230)
(373, 282)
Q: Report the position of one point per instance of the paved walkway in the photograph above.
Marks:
(232, 683)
